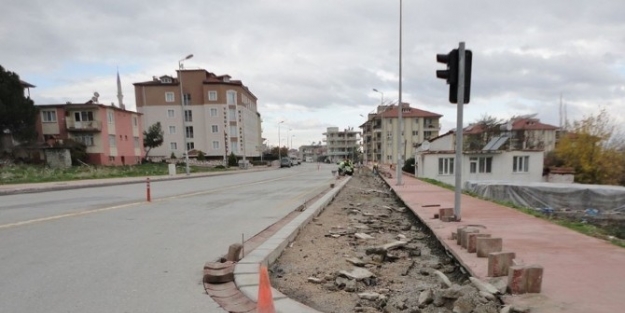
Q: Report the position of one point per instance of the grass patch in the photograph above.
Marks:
(609, 234)
(21, 174)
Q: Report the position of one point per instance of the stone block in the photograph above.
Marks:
(459, 232)
(499, 263)
(448, 219)
(445, 212)
(454, 236)
(234, 252)
(517, 279)
(486, 246)
(464, 239)
(534, 275)
(472, 241)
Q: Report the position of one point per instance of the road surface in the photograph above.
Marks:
(107, 250)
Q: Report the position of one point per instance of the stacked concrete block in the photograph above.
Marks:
(472, 241)
(525, 279)
(486, 246)
(446, 214)
(464, 239)
(499, 263)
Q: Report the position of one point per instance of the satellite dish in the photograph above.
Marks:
(425, 145)
(96, 94)
(509, 126)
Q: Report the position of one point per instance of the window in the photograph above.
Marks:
(213, 112)
(445, 166)
(520, 164)
(187, 99)
(111, 117)
(235, 147)
(48, 116)
(136, 142)
(415, 132)
(83, 116)
(190, 146)
(189, 131)
(172, 130)
(215, 128)
(427, 134)
(233, 131)
(173, 146)
(87, 140)
(480, 164)
(171, 113)
(212, 95)
(112, 141)
(188, 116)
(215, 144)
(112, 159)
(169, 97)
(232, 97)
(232, 114)
(135, 121)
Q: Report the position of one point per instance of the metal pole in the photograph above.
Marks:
(184, 129)
(458, 160)
(401, 121)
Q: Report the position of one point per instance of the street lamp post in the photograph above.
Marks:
(279, 142)
(184, 129)
(382, 94)
(291, 145)
(400, 140)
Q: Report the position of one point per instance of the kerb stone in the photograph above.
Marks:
(486, 246)
(472, 241)
(499, 263)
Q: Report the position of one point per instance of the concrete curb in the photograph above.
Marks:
(246, 271)
(76, 184)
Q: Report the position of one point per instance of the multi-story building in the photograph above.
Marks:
(217, 115)
(341, 144)
(519, 133)
(312, 153)
(113, 135)
(381, 129)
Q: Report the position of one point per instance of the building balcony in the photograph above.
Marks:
(432, 127)
(83, 126)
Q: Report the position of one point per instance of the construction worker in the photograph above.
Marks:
(375, 167)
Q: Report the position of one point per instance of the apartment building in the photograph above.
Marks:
(381, 129)
(341, 144)
(113, 135)
(217, 115)
(311, 153)
(524, 132)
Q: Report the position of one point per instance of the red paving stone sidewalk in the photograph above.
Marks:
(581, 273)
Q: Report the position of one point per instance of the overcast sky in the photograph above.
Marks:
(313, 64)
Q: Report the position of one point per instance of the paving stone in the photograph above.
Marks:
(486, 246)
(472, 241)
(499, 263)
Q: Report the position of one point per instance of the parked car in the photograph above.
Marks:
(285, 162)
(295, 161)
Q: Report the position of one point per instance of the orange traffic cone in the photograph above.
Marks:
(265, 299)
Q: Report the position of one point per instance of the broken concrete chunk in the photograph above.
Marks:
(426, 297)
(356, 262)
(443, 278)
(315, 280)
(357, 273)
(369, 295)
(401, 237)
(483, 286)
(453, 292)
(363, 236)
(386, 247)
(487, 295)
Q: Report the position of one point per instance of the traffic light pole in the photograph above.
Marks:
(459, 135)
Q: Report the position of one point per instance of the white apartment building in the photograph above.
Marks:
(219, 115)
(341, 144)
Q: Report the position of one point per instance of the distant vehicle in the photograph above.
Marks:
(285, 162)
(295, 161)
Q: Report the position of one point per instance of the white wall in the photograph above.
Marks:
(502, 167)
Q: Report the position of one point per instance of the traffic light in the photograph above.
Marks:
(452, 59)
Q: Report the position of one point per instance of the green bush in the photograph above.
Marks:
(232, 160)
(172, 156)
(201, 156)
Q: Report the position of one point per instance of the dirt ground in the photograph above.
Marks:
(404, 276)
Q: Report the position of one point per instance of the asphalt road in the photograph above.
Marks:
(107, 250)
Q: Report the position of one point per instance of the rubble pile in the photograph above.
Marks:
(367, 253)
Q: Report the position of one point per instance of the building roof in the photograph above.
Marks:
(26, 84)
(531, 124)
(408, 112)
(88, 104)
(209, 79)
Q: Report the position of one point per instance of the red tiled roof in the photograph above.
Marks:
(413, 112)
(531, 124)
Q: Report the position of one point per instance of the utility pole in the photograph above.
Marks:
(400, 118)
